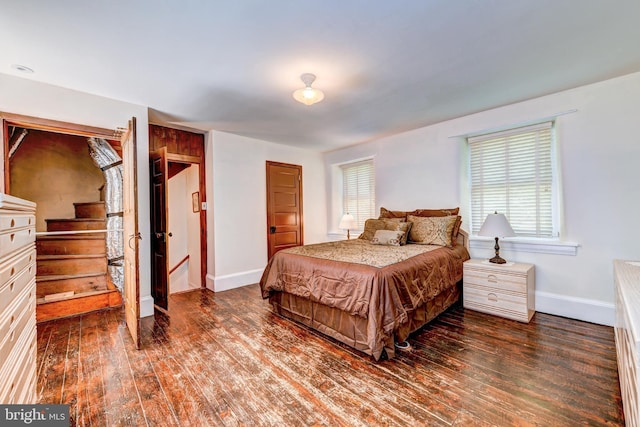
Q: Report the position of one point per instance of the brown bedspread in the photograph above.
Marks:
(381, 294)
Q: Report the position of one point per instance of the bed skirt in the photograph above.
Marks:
(352, 329)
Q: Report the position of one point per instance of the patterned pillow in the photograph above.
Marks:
(432, 230)
(386, 213)
(387, 237)
(372, 225)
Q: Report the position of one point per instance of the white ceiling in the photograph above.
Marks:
(385, 66)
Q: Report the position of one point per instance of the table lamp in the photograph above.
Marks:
(496, 225)
(347, 222)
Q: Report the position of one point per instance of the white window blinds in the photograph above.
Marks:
(511, 172)
(359, 189)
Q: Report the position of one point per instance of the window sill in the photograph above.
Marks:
(541, 246)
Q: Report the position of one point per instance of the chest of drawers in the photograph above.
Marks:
(17, 301)
(506, 290)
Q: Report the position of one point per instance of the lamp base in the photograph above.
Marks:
(498, 260)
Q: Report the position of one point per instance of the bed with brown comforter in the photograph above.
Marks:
(366, 296)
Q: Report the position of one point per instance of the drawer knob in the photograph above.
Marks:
(11, 286)
(12, 237)
(13, 222)
(492, 297)
(492, 278)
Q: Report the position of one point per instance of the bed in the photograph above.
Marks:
(366, 294)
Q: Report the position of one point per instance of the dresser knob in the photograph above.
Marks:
(492, 297)
(492, 278)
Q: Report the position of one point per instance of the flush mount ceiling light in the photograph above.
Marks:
(308, 95)
(22, 68)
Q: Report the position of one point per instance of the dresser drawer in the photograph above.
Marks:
(14, 319)
(13, 220)
(24, 354)
(13, 265)
(509, 282)
(495, 301)
(25, 372)
(13, 240)
(10, 290)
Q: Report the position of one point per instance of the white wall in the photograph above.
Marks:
(184, 226)
(24, 96)
(240, 205)
(599, 159)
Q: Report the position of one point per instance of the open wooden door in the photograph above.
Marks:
(284, 206)
(131, 233)
(158, 168)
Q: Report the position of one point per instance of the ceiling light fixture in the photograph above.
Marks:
(308, 95)
(22, 68)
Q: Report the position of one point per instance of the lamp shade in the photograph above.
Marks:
(496, 225)
(308, 95)
(347, 222)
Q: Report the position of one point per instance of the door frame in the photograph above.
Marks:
(54, 126)
(202, 186)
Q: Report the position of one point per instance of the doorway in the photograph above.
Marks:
(178, 212)
(77, 280)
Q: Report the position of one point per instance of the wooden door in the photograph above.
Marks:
(284, 206)
(159, 266)
(131, 234)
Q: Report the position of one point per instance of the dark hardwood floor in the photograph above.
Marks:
(225, 359)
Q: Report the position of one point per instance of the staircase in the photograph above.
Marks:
(71, 269)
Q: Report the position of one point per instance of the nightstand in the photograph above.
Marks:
(506, 290)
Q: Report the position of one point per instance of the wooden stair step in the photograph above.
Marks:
(90, 210)
(79, 303)
(70, 224)
(71, 245)
(48, 285)
(48, 265)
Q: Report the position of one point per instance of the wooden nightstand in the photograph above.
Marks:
(505, 290)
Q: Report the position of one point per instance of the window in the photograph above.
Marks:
(512, 172)
(359, 189)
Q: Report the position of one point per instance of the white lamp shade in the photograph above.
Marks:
(496, 225)
(347, 222)
(308, 95)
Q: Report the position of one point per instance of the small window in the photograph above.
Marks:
(358, 195)
(512, 172)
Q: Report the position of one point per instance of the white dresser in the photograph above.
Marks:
(627, 332)
(506, 290)
(17, 300)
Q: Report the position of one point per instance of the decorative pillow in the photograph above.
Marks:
(404, 227)
(432, 230)
(372, 225)
(385, 213)
(456, 230)
(434, 212)
(387, 237)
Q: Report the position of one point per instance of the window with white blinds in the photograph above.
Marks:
(359, 190)
(512, 172)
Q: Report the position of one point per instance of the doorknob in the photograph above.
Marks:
(272, 229)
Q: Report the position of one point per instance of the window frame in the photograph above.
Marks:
(358, 214)
(505, 139)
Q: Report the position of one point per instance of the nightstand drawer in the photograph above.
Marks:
(510, 282)
(493, 301)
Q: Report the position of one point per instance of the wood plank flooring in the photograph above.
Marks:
(225, 359)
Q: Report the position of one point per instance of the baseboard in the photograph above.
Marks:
(576, 308)
(146, 306)
(236, 280)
